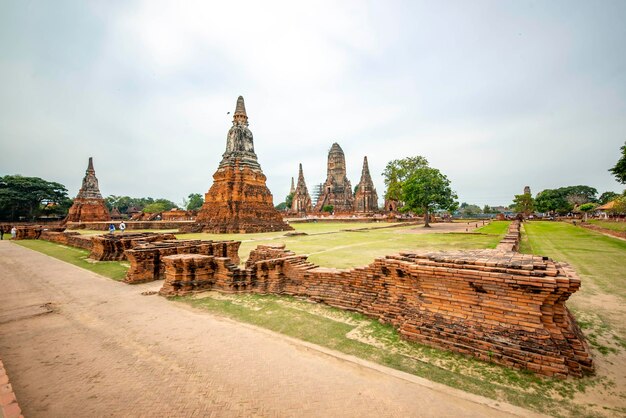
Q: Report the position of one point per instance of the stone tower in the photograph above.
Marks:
(337, 190)
(366, 198)
(293, 188)
(239, 200)
(88, 205)
(527, 190)
(301, 200)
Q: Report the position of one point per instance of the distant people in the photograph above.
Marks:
(1, 232)
(111, 229)
(122, 226)
(13, 232)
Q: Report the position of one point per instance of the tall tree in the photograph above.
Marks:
(425, 190)
(26, 197)
(619, 170)
(398, 171)
(606, 197)
(195, 201)
(524, 203)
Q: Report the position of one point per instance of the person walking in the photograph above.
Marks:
(1, 232)
(111, 229)
(13, 232)
(122, 226)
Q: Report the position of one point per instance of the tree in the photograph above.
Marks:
(577, 195)
(159, 205)
(619, 170)
(397, 172)
(195, 201)
(524, 203)
(606, 197)
(26, 197)
(281, 206)
(586, 208)
(426, 189)
(328, 208)
(289, 200)
(469, 210)
(620, 205)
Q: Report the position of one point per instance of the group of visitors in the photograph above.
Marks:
(13, 232)
(112, 227)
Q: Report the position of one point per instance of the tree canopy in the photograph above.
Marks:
(423, 189)
(619, 170)
(564, 199)
(29, 197)
(159, 205)
(194, 202)
(524, 203)
(606, 197)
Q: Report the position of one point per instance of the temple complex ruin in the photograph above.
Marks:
(301, 200)
(88, 205)
(366, 198)
(239, 200)
(337, 190)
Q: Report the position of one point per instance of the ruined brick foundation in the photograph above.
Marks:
(498, 306)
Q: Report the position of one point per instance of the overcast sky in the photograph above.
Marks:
(496, 94)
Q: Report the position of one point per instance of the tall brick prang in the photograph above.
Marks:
(239, 200)
(366, 198)
(88, 205)
(301, 202)
(337, 190)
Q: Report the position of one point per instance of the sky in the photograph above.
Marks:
(497, 95)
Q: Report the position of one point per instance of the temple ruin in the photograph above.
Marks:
(301, 202)
(88, 205)
(366, 198)
(337, 190)
(239, 200)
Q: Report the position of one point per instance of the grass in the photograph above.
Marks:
(330, 245)
(78, 257)
(597, 257)
(613, 226)
(357, 335)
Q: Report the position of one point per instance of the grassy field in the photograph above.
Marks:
(78, 257)
(613, 226)
(332, 245)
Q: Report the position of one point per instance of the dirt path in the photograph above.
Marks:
(77, 344)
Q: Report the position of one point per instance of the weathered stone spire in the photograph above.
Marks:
(293, 188)
(366, 198)
(90, 189)
(88, 206)
(301, 199)
(239, 141)
(239, 200)
(337, 191)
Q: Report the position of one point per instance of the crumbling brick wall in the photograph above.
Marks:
(73, 239)
(146, 258)
(498, 306)
(111, 247)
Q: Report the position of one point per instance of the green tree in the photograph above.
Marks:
(524, 203)
(586, 208)
(469, 210)
(26, 197)
(577, 195)
(159, 205)
(426, 189)
(552, 201)
(606, 197)
(397, 172)
(328, 208)
(619, 170)
(289, 200)
(281, 206)
(620, 205)
(195, 201)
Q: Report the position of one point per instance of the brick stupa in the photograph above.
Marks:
(88, 205)
(301, 202)
(337, 190)
(239, 200)
(366, 198)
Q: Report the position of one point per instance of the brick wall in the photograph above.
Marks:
(498, 306)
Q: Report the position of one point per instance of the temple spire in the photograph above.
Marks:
(90, 165)
(240, 111)
(293, 187)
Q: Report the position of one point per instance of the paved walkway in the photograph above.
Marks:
(78, 344)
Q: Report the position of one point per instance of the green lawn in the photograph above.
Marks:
(600, 259)
(330, 245)
(614, 226)
(77, 256)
